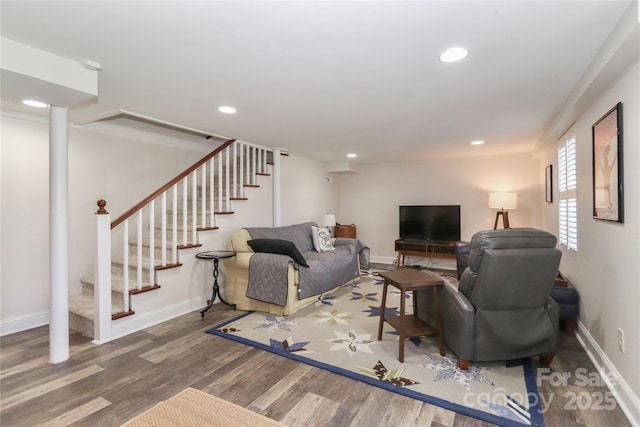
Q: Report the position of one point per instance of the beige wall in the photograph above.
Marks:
(306, 194)
(24, 228)
(371, 198)
(605, 270)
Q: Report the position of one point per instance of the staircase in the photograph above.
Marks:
(168, 221)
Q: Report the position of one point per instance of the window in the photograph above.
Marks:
(568, 204)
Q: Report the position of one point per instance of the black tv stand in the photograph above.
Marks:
(424, 248)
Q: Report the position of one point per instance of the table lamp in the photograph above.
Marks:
(503, 201)
(329, 220)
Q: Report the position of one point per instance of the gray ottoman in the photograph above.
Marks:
(568, 300)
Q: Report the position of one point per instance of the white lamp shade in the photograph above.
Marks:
(329, 220)
(503, 200)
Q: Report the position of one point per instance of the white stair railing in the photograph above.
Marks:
(216, 179)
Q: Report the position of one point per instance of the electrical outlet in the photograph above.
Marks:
(621, 340)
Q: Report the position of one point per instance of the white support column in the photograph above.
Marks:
(276, 187)
(58, 235)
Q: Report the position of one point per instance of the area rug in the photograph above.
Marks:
(196, 408)
(339, 333)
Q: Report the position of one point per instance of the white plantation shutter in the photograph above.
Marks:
(562, 168)
(572, 220)
(563, 231)
(568, 203)
(571, 164)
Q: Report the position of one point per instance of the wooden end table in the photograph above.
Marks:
(409, 326)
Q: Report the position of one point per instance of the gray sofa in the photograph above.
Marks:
(501, 309)
(272, 279)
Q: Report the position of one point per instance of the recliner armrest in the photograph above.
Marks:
(458, 322)
(462, 256)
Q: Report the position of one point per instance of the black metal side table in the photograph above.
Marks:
(215, 256)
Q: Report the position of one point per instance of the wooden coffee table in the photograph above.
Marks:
(409, 326)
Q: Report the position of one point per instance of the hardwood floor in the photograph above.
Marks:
(109, 384)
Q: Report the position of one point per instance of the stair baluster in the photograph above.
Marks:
(241, 172)
(174, 225)
(203, 197)
(125, 261)
(152, 243)
(139, 252)
(227, 204)
(163, 237)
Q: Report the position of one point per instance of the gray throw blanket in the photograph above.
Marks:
(268, 272)
(268, 278)
(329, 269)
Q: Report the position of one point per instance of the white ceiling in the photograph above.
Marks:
(323, 79)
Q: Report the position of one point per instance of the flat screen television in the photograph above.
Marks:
(436, 224)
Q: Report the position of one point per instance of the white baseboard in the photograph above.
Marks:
(445, 264)
(131, 324)
(628, 401)
(383, 259)
(24, 322)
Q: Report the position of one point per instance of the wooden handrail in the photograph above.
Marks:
(168, 185)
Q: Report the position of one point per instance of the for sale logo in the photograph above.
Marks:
(598, 400)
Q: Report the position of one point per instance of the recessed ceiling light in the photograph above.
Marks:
(226, 109)
(352, 155)
(477, 142)
(454, 54)
(32, 103)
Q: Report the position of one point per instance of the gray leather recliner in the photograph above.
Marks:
(502, 309)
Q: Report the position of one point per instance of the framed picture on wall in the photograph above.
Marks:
(608, 201)
(548, 184)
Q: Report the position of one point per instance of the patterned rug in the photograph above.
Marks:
(339, 333)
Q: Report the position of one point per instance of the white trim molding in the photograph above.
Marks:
(628, 401)
(24, 322)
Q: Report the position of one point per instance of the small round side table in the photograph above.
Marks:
(215, 256)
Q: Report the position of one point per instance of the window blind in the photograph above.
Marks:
(568, 203)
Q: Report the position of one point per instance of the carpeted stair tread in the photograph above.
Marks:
(117, 285)
(157, 244)
(83, 305)
(133, 261)
(145, 243)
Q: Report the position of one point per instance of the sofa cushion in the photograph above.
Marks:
(299, 234)
(278, 246)
(321, 239)
(239, 240)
